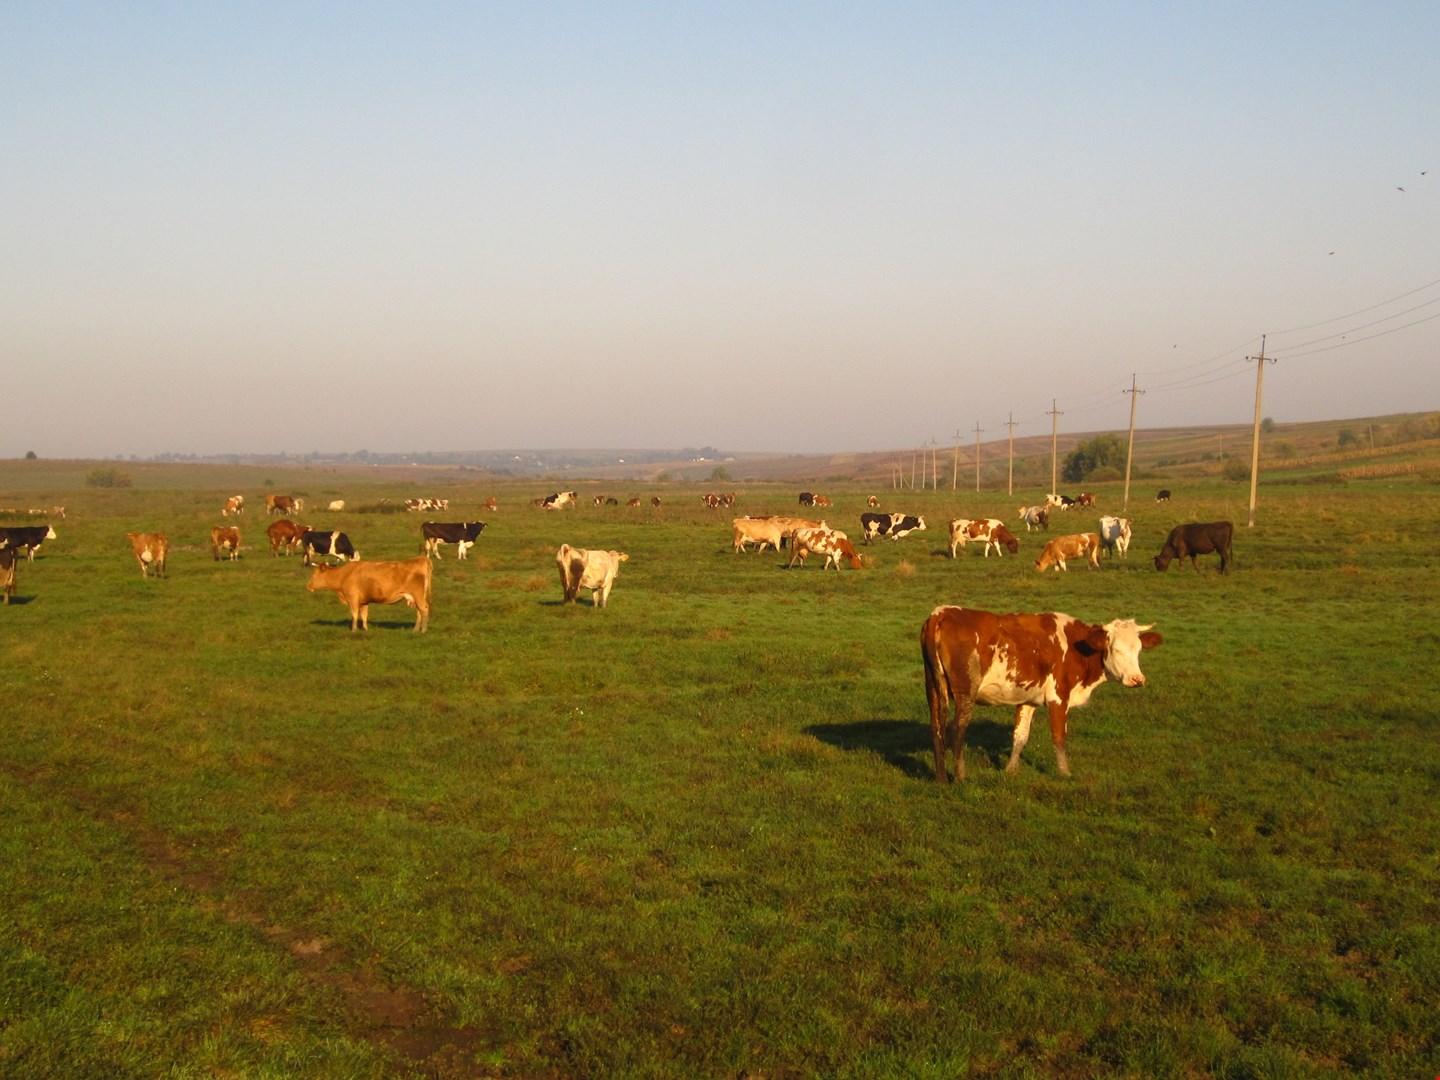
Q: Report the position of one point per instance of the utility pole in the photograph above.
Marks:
(1255, 442)
(978, 430)
(934, 463)
(1010, 481)
(1055, 415)
(913, 454)
(1130, 446)
(955, 469)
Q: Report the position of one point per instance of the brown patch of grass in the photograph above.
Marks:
(535, 582)
(717, 633)
(905, 568)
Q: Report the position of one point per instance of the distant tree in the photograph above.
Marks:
(1267, 425)
(721, 475)
(1096, 453)
(1235, 469)
(1285, 450)
(1347, 437)
(108, 478)
(30, 455)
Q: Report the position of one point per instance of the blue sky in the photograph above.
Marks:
(301, 227)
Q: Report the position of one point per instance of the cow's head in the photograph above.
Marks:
(1162, 561)
(1007, 538)
(1120, 642)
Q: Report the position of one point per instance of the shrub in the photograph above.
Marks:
(30, 455)
(1267, 425)
(108, 478)
(1096, 453)
(721, 475)
(1235, 469)
(1347, 437)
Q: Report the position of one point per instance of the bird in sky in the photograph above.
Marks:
(1332, 253)
(1399, 189)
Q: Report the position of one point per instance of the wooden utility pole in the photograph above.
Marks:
(1130, 446)
(1255, 440)
(935, 463)
(1010, 481)
(955, 469)
(913, 456)
(978, 429)
(1055, 415)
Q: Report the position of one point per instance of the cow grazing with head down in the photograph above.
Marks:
(831, 543)
(1035, 517)
(335, 544)
(633, 501)
(283, 504)
(895, 526)
(988, 531)
(336, 505)
(225, 539)
(1060, 502)
(1063, 548)
(150, 550)
(1207, 538)
(1021, 661)
(490, 504)
(558, 500)
(823, 500)
(1085, 498)
(1163, 495)
(285, 536)
(594, 570)
(807, 498)
(462, 534)
(655, 501)
(763, 532)
(361, 584)
(8, 559)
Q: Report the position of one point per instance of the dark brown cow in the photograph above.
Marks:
(1024, 661)
(285, 536)
(283, 504)
(1198, 538)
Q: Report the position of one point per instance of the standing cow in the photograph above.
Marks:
(225, 539)
(594, 570)
(150, 550)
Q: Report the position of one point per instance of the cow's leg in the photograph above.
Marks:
(1058, 726)
(1023, 715)
(963, 707)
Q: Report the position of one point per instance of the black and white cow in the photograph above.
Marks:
(894, 526)
(558, 500)
(29, 537)
(460, 533)
(1163, 495)
(336, 544)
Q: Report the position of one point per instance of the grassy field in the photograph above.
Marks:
(695, 833)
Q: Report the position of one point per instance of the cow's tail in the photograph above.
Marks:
(937, 678)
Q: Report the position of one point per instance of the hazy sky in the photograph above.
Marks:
(406, 226)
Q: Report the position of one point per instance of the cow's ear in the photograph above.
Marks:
(1150, 640)
(1093, 642)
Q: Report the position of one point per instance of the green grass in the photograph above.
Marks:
(694, 834)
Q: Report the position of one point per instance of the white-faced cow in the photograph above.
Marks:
(462, 534)
(26, 537)
(594, 570)
(150, 550)
(361, 584)
(1207, 538)
(225, 541)
(1021, 661)
(1115, 535)
(234, 506)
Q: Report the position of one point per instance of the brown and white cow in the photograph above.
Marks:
(711, 500)
(988, 531)
(225, 538)
(823, 500)
(283, 504)
(594, 570)
(150, 550)
(635, 501)
(872, 501)
(360, 584)
(655, 501)
(1025, 661)
(234, 506)
(491, 503)
(285, 536)
(8, 558)
(1085, 498)
(1063, 548)
(831, 543)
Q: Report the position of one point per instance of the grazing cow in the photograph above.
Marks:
(558, 501)
(1063, 502)
(285, 536)
(655, 501)
(633, 502)
(1035, 517)
(335, 544)
(283, 504)
(895, 526)
(1115, 535)
(1085, 498)
(989, 531)
(599, 500)
(8, 558)
(362, 584)
(789, 526)
(823, 500)
(760, 531)
(610, 500)
(727, 500)
(336, 505)
(807, 498)
(872, 501)
(1074, 546)
(57, 512)
(426, 503)
(1208, 538)
(462, 534)
(711, 500)
(150, 550)
(490, 504)
(1022, 660)
(832, 544)
(594, 570)
(29, 537)
(234, 506)
(225, 538)
(1163, 495)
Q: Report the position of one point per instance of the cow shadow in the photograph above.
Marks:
(375, 624)
(20, 600)
(900, 741)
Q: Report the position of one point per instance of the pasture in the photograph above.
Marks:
(695, 833)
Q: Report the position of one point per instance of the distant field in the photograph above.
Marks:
(695, 834)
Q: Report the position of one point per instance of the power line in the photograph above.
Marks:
(1367, 337)
(1366, 326)
(1351, 315)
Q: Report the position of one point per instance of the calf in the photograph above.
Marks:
(490, 504)
(1115, 535)
(655, 501)
(225, 538)
(361, 584)
(29, 537)
(989, 531)
(1209, 538)
(594, 570)
(1024, 661)
(8, 559)
(1074, 546)
(633, 502)
(285, 536)
(335, 544)
(462, 534)
(872, 501)
(150, 550)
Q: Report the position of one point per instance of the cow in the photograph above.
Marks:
(789, 526)
(29, 537)
(1035, 517)
(1062, 502)
(285, 536)
(234, 506)
(558, 501)
(594, 570)
(426, 503)
(1115, 535)
(610, 500)
(1208, 538)
(334, 544)
(150, 550)
(895, 526)
(1085, 498)
(872, 501)
(727, 500)
(711, 500)
(831, 543)
(1163, 495)
(807, 498)
(633, 502)
(823, 500)
(1024, 661)
(361, 584)
(1074, 546)
(655, 501)
(490, 504)
(283, 504)
(462, 534)
(57, 512)
(599, 500)
(989, 531)
(336, 505)
(760, 531)
(225, 538)
(8, 558)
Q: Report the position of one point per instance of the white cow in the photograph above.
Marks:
(594, 570)
(1115, 534)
